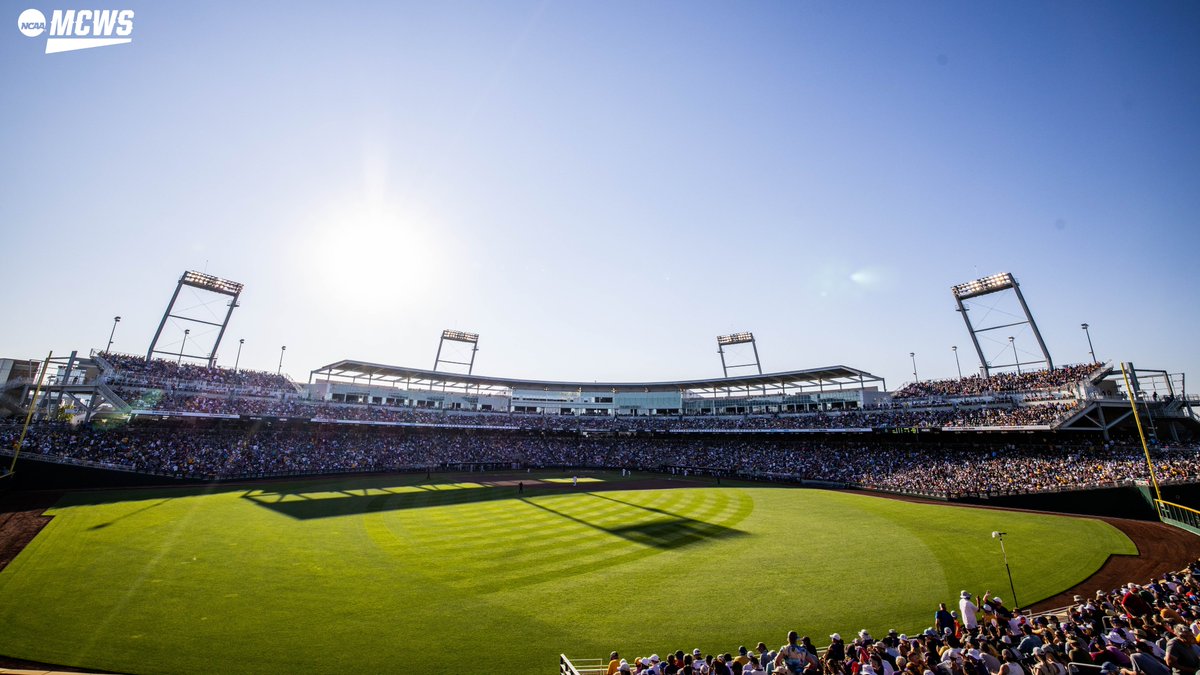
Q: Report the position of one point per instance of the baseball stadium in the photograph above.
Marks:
(163, 513)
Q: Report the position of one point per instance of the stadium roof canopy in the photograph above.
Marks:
(794, 381)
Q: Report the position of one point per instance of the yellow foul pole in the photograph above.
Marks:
(1141, 434)
(29, 415)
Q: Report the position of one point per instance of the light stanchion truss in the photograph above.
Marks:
(461, 338)
(206, 285)
(998, 283)
(733, 339)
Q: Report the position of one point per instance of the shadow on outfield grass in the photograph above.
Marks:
(296, 485)
(667, 531)
(304, 506)
(657, 528)
(101, 526)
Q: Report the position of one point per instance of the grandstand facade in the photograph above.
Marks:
(829, 388)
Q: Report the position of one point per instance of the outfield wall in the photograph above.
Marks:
(38, 473)
(1127, 501)
(1116, 502)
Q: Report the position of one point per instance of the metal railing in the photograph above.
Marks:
(1178, 515)
(582, 667)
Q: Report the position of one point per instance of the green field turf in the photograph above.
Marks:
(397, 574)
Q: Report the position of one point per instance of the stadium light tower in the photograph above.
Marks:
(204, 283)
(117, 320)
(457, 336)
(1084, 326)
(997, 283)
(913, 356)
(745, 337)
(238, 360)
(956, 362)
(281, 351)
(1000, 536)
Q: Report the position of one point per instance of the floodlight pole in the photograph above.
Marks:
(983, 364)
(282, 349)
(1085, 331)
(956, 362)
(913, 356)
(116, 320)
(183, 345)
(1011, 587)
(238, 360)
(1016, 359)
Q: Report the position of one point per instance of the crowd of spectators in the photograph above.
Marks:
(1148, 629)
(976, 385)
(136, 371)
(1010, 469)
(943, 469)
(1009, 416)
(158, 400)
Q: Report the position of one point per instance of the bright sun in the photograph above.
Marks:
(373, 255)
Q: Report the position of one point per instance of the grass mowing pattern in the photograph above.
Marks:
(540, 548)
(368, 574)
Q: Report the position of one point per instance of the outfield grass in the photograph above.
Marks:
(396, 574)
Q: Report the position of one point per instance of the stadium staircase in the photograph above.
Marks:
(118, 403)
(105, 367)
(297, 388)
(12, 404)
(1085, 413)
(1099, 374)
(1192, 413)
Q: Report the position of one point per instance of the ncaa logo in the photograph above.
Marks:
(70, 30)
(31, 23)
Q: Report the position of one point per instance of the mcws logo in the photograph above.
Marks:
(74, 29)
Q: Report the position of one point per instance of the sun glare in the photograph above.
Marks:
(371, 255)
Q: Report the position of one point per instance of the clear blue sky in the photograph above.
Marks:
(600, 188)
